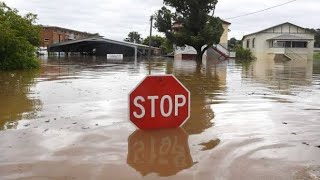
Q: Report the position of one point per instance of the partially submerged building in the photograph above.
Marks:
(99, 46)
(286, 40)
(188, 52)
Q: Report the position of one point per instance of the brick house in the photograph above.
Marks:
(52, 35)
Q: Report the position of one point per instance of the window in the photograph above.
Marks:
(299, 44)
(290, 44)
(46, 40)
(287, 44)
(253, 42)
(248, 43)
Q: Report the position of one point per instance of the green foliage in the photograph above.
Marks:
(316, 56)
(317, 37)
(233, 43)
(134, 37)
(159, 42)
(167, 46)
(244, 54)
(197, 28)
(18, 39)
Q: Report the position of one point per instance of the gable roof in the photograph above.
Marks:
(225, 22)
(274, 27)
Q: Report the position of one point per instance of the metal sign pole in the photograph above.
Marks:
(150, 37)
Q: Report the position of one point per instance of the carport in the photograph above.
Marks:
(101, 47)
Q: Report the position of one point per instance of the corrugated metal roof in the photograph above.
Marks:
(100, 39)
(289, 37)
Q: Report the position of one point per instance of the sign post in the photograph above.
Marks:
(159, 102)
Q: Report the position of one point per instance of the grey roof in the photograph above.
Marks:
(100, 39)
(273, 27)
(289, 37)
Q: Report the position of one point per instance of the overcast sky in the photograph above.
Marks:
(114, 19)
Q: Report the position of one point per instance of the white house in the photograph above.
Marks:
(288, 40)
(189, 52)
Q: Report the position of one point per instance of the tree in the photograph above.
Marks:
(18, 39)
(195, 24)
(159, 42)
(134, 37)
(233, 43)
(317, 37)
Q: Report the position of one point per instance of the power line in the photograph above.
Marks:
(255, 12)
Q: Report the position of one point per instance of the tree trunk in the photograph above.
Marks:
(199, 56)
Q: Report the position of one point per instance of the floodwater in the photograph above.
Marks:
(69, 120)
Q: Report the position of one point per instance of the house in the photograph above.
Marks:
(51, 35)
(285, 40)
(189, 52)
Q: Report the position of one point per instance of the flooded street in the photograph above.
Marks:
(69, 120)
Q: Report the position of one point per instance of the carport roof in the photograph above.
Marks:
(102, 40)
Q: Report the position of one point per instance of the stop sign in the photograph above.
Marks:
(159, 102)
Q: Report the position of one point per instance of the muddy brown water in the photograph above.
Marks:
(69, 120)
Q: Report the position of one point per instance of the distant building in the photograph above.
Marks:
(225, 36)
(287, 40)
(52, 35)
(189, 52)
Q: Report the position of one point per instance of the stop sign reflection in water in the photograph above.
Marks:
(159, 102)
(165, 152)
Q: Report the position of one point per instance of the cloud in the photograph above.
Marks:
(116, 18)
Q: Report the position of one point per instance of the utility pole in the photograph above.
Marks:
(59, 42)
(150, 37)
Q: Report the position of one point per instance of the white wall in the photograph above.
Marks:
(262, 45)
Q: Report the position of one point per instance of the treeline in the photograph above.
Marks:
(156, 41)
(317, 37)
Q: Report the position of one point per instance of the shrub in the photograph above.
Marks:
(317, 56)
(244, 54)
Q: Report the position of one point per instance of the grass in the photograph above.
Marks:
(316, 56)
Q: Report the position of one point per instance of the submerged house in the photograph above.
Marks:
(285, 40)
(188, 52)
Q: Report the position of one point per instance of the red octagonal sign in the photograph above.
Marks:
(159, 102)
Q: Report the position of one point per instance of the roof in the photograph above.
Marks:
(100, 39)
(225, 22)
(289, 37)
(271, 28)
